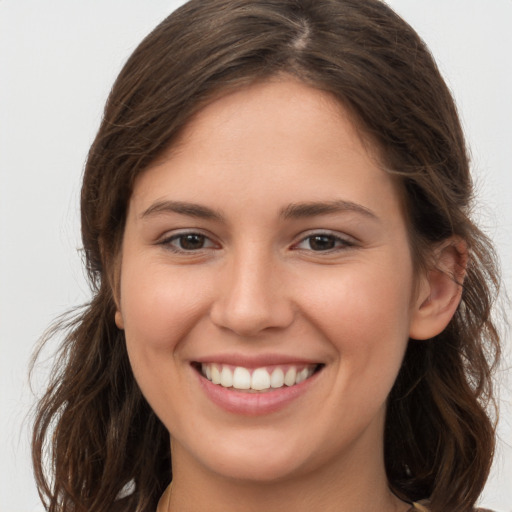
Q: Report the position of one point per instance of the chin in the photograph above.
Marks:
(262, 461)
(259, 471)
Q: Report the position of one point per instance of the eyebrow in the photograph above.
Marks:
(182, 208)
(311, 209)
(292, 211)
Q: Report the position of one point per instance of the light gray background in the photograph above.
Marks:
(58, 59)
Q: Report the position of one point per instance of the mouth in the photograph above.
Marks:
(256, 380)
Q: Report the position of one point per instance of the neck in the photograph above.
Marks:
(353, 485)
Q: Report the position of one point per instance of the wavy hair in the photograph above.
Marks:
(94, 426)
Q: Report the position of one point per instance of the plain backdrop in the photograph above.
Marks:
(58, 59)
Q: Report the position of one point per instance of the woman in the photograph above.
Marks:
(291, 305)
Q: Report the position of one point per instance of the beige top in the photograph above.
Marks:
(419, 507)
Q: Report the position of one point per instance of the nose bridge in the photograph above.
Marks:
(252, 296)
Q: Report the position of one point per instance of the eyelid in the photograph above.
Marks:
(169, 237)
(347, 241)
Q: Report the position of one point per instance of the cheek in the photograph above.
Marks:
(365, 318)
(160, 305)
(360, 296)
(160, 309)
(364, 312)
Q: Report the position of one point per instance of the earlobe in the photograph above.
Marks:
(119, 320)
(440, 290)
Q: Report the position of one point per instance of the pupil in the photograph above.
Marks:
(191, 242)
(321, 243)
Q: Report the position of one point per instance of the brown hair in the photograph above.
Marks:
(98, 429)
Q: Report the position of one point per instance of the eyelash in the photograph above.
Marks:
(179, 238)
(339, 243)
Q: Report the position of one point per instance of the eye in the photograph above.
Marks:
(323, 242)
(188, 242)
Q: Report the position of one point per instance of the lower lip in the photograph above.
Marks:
(254, 404)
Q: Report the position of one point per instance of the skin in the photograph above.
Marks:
(257, 286)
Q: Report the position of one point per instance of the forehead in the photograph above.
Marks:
(280, 105)
(279, 140)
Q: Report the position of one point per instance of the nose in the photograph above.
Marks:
(252, 296)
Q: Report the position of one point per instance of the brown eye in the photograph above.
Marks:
(188, 242)
(191, 242)
(322, 242)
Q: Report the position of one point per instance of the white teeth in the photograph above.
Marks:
(261, 379)
(277, 378)
(215, 374)
(289, 378)
(302, 375)
(226, 377)
(241, 378)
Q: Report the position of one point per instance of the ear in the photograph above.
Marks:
(113, 266)
(439, 290)
(118, 316)
(119, 319)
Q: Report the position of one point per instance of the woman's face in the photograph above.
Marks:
(267, 249)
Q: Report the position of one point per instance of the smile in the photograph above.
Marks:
(257, 379)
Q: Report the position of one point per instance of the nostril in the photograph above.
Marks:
(249, 320)
(250, 296)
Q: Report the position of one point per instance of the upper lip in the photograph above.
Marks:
(255, 361)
